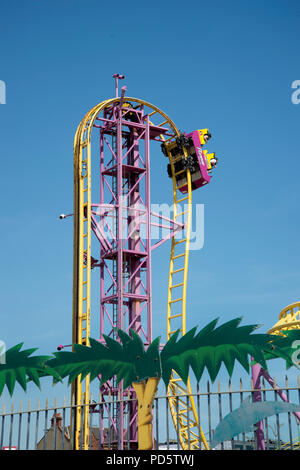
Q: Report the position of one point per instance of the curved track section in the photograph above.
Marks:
(289, 319)
(182, 407)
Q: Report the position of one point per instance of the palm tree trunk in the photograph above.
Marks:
(145, 392)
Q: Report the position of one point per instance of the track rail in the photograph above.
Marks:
(182, 408)
(182, 412)
(289, 319)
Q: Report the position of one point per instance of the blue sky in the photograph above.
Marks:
(228, 66)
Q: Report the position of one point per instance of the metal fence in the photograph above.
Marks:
(48, 427)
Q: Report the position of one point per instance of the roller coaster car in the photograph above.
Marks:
(198, 161)
(129, 115)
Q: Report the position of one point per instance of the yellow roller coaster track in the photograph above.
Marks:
(184, 415)
(289, 319)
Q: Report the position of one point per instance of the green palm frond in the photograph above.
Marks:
(127, 360)
(211, 347)
(20, 366)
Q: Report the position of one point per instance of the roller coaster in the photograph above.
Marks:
(289, 319)
(112, 233)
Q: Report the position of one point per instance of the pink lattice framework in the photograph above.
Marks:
(122, 224)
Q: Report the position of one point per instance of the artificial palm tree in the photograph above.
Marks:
(129, 361)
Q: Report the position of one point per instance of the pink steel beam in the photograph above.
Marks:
(117, 77)
(257, 373)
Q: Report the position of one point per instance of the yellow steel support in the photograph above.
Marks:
(292, 445)
(289, 319)
(82, 285)
(184, 414)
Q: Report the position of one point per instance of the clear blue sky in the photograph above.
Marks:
(228, 66)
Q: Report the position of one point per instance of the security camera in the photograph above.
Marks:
(64, 216)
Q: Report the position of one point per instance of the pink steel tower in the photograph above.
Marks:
(122, 222)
